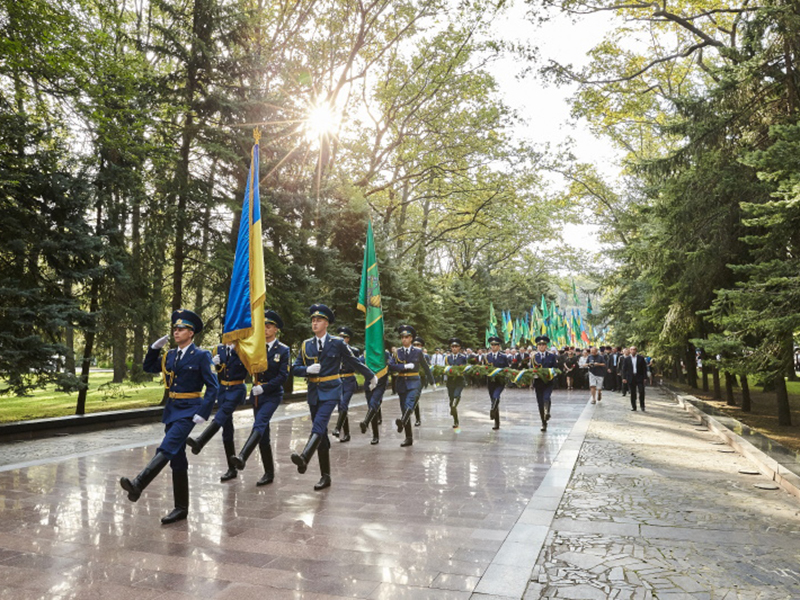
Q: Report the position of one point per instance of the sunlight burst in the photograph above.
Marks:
(322, 121)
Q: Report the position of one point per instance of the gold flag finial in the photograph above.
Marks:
(256, 134)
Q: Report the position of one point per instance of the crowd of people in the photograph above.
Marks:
(196, 379)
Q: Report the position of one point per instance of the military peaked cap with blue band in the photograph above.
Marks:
(455, 340)
(495, 340)
(273, 318)
(542, 339)
(320, 310)
(345, 331)
(419, 340)
(187, 319)
(405, 330)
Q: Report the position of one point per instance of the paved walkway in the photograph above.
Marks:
(605, 504)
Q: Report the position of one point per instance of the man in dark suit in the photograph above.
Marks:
(634, 372)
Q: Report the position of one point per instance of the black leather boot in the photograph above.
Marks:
(345, 437)
(250, 445)
(180, 491)
(301, 460)
(136, 486)
(376, 437)
(543, 417)
(454, 411)
(416, 414)
(409, 435)
(230, 451)
(380, 416)
(269, 465)
(196, 444)
(339, 423)
(324, 469)
(401, 422)
(547, 410)
(367, 420)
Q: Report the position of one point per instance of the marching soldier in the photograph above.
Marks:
(544, 359)
(374, 401)
(426, 365)
(455, 384)
(406, 365)
(319, 361)
(186, 369)
(267, 393)
(349, 385)
(497, 359)
(232, 392)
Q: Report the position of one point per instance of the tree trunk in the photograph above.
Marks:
(781, 395)
(88, 348)
(119, 349)
(788, 349)
(705, 376)
(691, 366)
(717, 390)
(730, 400)
(746, 407)
(676, 370)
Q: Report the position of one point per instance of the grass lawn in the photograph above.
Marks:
(102, 396)
(764, 416)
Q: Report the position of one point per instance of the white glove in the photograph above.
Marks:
(216, 359)
(198, 419)
(160, 343)
(373, 383)
(313, 369)
(409, 366)
(257, 390)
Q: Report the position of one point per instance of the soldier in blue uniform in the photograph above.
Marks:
(232, 392)
(267, 394)
(406, 365)
(319, 361)
(374, 401)
(186, 369)
(545, 359)
(455, 383)
(349, 385)
(497, 359)
(425, 364)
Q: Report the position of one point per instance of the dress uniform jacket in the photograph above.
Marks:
(498, 360)
(272, 380)
(232, 390)
(185, 382)
(327, 384)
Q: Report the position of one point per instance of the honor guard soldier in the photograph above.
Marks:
(374, 401)
(455, 383)
(232, 392)
(186, 369)
(544, 359)
(406, 366)
(497, 359)
(267, 394)
(349, 385)
(426, 365)
(319, 362)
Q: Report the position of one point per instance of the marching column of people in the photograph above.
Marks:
(194, 380)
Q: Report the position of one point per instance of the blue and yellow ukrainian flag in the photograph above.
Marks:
(244, 317)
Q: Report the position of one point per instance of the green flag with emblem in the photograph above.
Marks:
(369, 302)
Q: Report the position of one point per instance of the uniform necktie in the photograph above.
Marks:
(178, 358)
(319, 346)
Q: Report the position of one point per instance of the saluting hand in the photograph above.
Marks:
(160, 343)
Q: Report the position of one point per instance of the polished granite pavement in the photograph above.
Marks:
(428, 521)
